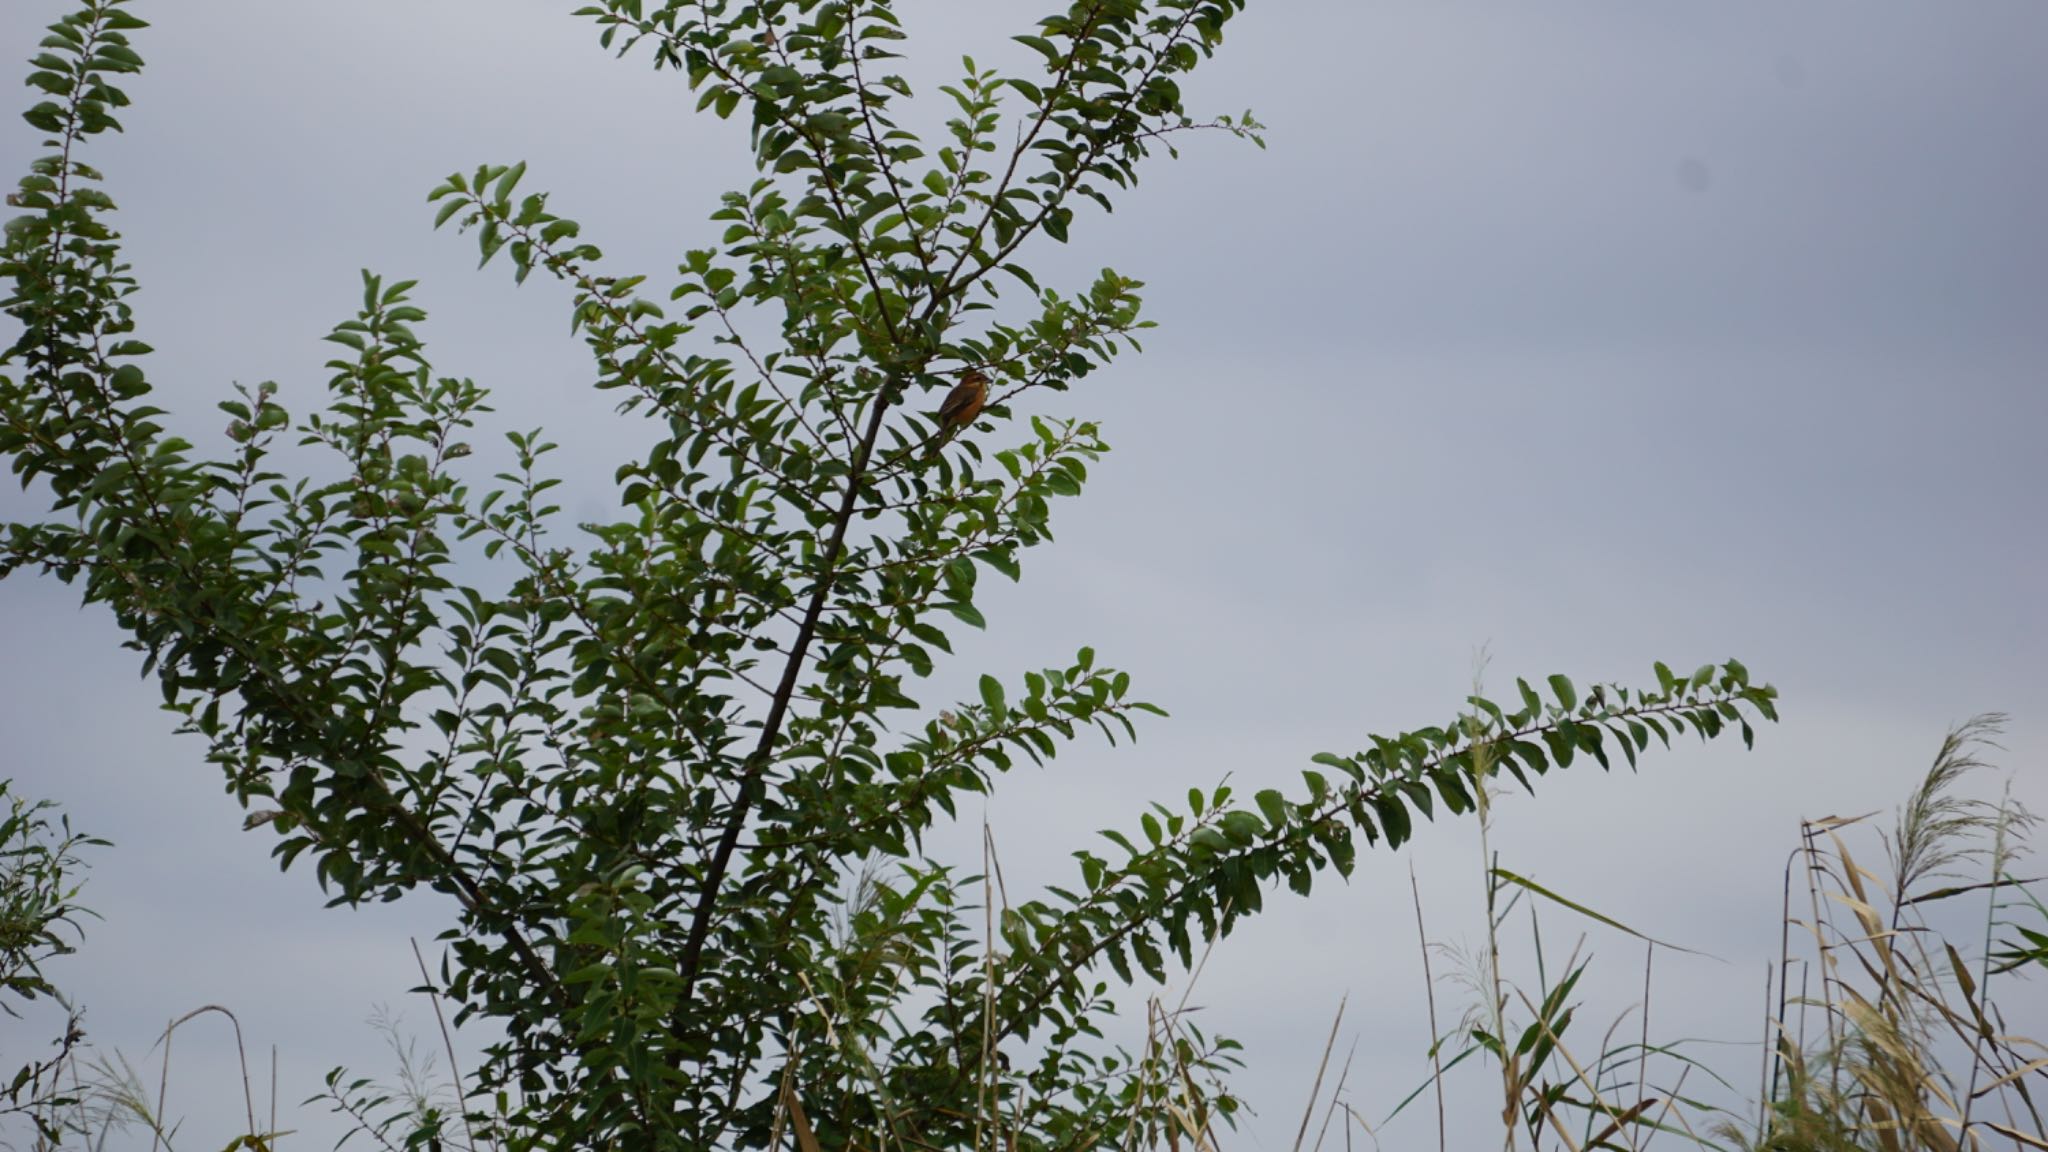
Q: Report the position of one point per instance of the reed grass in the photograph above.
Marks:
(1894, 1040)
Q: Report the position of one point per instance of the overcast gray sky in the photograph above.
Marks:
(1586, 334)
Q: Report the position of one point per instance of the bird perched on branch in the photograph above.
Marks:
(961, 406)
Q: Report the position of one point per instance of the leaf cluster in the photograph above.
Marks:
(40, 920)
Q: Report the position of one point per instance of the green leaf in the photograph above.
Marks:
(1242, 827)
(1042, 46)
(1538, 889)
(1274, 805)
(1567, 696)
(965, 613)
(1393, 818)
(508, 181)
(1343, 764)
(127, 382)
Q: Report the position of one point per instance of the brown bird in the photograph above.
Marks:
(962, 405)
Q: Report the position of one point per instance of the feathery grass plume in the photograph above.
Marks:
(1918, 1055)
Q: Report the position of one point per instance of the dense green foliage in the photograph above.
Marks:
(674, 769)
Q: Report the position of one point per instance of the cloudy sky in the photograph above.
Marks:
(1584, 335)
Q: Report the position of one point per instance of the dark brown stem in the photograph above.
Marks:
(778, 709)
